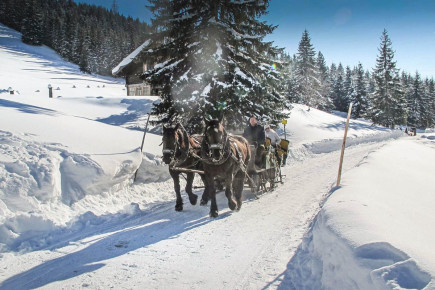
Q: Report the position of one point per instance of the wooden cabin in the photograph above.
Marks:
(131, 68)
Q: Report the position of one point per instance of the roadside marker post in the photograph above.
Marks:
(344, 145)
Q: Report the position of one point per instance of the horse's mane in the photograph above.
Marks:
(180, 135)
(196, 140)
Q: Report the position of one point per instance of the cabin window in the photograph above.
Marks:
(147, 90)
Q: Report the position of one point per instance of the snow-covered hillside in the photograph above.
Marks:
(62, 157)
(72, 217)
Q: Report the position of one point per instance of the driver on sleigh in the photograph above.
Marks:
(256, 136)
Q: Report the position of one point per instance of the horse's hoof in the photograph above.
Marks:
(231, 204)
(179, 207)
(214, 214)
(203, 202)
(193, 199)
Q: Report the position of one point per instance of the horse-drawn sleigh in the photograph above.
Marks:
(219, 158)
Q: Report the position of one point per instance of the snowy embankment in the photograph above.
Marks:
(376, 231)
(61, 157)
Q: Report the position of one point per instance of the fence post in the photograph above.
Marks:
(344, 145)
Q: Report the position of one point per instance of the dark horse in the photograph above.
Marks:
(181, 152)
(224, 156)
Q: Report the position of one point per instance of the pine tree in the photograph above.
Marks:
(339, 93)
(325, 84)
(370, 84)
(348, 88)
(431, 102)
(212, 60)
(359, 94)
(427, 118)
(388, 103)
(32, 24)
(292, 87)
(308, 73)
(417, 103)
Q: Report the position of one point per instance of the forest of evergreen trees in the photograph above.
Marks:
(93, 37)
(383, 95)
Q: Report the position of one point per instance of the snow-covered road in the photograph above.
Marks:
(159, 248)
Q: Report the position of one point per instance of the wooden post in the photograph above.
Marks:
(50, 91)
(284, 122)
(141, 146)
(344, 145)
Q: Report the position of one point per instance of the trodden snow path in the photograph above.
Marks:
(164, 249)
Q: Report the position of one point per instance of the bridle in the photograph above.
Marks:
(179, 154)
(223, 149)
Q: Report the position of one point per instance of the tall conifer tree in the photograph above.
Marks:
(339, 92)
(431, 102)
(308, 73)
(325, 84)
(359, 95)
(388, 103)
(212, 60)
(32, 24)
(417, 103)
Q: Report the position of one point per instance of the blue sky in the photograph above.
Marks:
(346, 31)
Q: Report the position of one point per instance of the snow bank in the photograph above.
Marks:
(58, 157)
(376, 230)
(315, 132)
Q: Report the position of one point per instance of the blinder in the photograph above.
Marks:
(167, 151)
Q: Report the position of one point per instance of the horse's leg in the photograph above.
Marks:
(212, 194)
(205, 194)
(176, 178)
(238, 188)
(228, 190)
(192, 197)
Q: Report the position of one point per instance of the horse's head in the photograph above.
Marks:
(215, 137)
(175, 142)
(170, 140)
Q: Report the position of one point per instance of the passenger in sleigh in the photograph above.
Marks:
(256, 136)
(275, 141)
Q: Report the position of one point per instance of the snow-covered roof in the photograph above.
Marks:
(126, 61)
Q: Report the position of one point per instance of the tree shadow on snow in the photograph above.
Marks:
(115, 238)
(136, 108)
(27, 108)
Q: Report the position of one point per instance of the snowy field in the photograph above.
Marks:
(71, 216)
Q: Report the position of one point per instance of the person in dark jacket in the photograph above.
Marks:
(255, 135)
